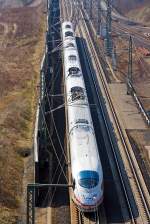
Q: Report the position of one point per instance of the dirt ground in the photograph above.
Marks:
(141, 63)
(21, 48)
(137, 131)
(128, 110)
(141, 144)
(141, 15)
(141, 68)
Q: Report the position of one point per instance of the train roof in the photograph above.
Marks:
(67, 24)
(84, 138)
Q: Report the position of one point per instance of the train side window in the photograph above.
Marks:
(77, 93)
(67, 26)
(70, 45)
(74, 71)
(68, 34)
(72, 58)
(82, 121)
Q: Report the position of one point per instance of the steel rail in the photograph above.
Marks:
(86, 220)
(65, 10)
(110, 138)
(90, 41)
(119, 130)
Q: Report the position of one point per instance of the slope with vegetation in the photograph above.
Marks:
(21, 47)
(127, 5)
(141, 14)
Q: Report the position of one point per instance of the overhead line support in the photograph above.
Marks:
(108, 29)
(99, 19)
(91, 9)
(31, 199)
(130, 68)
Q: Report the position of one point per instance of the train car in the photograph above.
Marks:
(87, 175)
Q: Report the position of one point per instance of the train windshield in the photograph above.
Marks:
(88, 179)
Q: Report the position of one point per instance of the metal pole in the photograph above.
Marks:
(38, 185)
(85, 4)
(30, 205)
(130, 60)
(99, 20)
(114, 58)
(91, 8)
(108, 29)
(31, 198)
(33, 205)
(28, 208)
(130, 68)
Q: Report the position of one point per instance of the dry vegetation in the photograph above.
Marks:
(141, 14)
(141, 75)
(141, 141)
(127, 5)
(21, 46)
(141, 68)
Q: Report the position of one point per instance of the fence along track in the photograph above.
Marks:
(137, 186)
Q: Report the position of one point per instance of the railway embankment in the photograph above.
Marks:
(21, 46)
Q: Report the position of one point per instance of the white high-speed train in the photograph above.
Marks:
(86, 166)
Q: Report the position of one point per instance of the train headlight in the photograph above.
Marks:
(94, 197)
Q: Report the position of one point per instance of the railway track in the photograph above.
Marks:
(79, 217)
(129, 31)
(137, 182)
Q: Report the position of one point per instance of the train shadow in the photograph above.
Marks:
(115, 204)
(52, 166)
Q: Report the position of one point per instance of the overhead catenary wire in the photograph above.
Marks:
(49, 188)
(55, 78)
(59, 158)
(55, 187)
(70, 105)
(55, 125)
(51, 141)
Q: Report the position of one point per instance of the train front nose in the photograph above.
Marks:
(88, 203)
(92, 199)
(88, 192)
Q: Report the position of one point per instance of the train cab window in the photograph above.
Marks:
(68, 34)
(74, 71)
(77, 93)
(88, 179)
(72, 58)
(82, 121)
(67, 26)
(70, 45)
